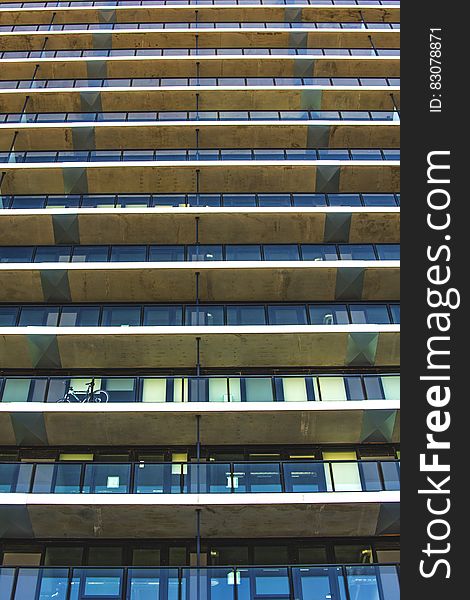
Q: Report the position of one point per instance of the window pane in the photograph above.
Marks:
(376, 314)
(53, 254)
(332, 389)
(204, 315)
(160, 316)
(324, 314)
(81, 316)
(319, 252)
(391, 386)
(204, 252)
(116, 316)
(166, 253)
(243, 252)
(8, 315)
(16, 254)
(39, 316)
(90, 254)
(258, 389)
(128, 253)
(246, 315)
(285, 314)
(281, 252)
(357, 252)
(388, 251)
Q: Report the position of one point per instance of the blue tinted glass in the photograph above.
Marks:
(344, 199)
(205, 252)
(170, 200)
(120, 316)
(395, 310)
(99, 201)
(40, 316)
(239, 200)
(52, 254)
(379, 199)
(8, 316)
(309, 200)
(328, 314)
(166, 253)
(163, 315)
(204, 200)
(333, 154)
(28, 201)
(63, 201)
(285, 314)
(281, 252)
(357, 252)
(246, 315)
(90, 254)
(376, 314)
(80, 316)
(14, 254)
(388, 251)
(204, 315)
(243, 252)
(128, 253)
(274, 199)
(319, 252)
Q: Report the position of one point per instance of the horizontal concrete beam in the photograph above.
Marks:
(210, 98)
(218, 281)
(174, 347)
(222, 515)
(207, 38)
(185, 14)
(209, 66)
(211, 134)
(220, 423)
(217, 225)
(218, 177)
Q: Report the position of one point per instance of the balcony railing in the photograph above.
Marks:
(335, 582)
(215, 388)
(204, 478)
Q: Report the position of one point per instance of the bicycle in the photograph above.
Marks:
(82, 397)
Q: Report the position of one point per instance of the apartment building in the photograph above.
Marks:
(199, 300)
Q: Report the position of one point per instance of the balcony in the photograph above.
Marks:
(335, 582)
(136, 500)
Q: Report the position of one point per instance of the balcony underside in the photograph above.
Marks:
(221, 176)
(222, 515)
(213, 66)
(221, 281)
(210, 98)
(209, 38)
(176, 225)
(174, 347)
(161, 135)
(36, 424)
(185, 14)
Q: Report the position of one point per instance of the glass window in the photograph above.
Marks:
(209, 314)
(270, 555)
(8, 315)
(243, 252)
(99, 201)
(344, 199)
(24, 390)
(388, 251)
(281, 252)
(391, 386)
(128, 253)
(16, 254)
(201, 252)
(274, 200)
(395, 310)
(163, 315)
(246, 315)
(120, 316)
(319, 252)
(63, 556)
(90, 254)
(52, 254)
(333, 154)
(353, 553)
(379, 200)
(357, 252)
(285, 314)
(166, 253)
(28, 202)
(39, 316)
(332, 389)
(239, 200)
(80, 316)
(104, 556)
(376, 314)
(328, 314)
(366, 154)
(118, 389)
(309, 200)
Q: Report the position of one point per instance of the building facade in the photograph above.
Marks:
(199, 300)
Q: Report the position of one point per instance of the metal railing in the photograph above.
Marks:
(293, 476)
(337, 582)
